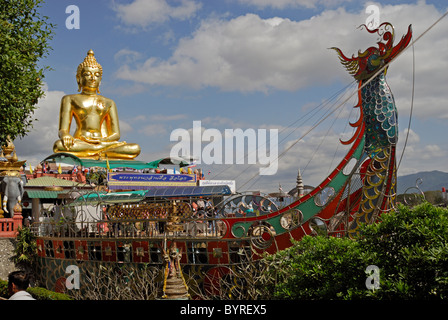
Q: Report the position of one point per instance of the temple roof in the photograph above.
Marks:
(46, 181)
(37, 187)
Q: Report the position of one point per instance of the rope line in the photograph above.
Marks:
(309, 115)
(356, 92)
(412, 107)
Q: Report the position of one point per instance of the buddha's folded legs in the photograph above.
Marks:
(82, 149)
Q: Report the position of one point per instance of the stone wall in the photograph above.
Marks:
(7, 246)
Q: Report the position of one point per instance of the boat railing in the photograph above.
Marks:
(132, 228)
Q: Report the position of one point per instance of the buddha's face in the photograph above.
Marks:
(90, 78)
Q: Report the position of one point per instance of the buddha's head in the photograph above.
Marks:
(89, 73)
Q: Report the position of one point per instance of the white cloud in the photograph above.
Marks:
(412, 137)
(125, 127)
(282, 4)
(316, 154)
(143, 13)
(249, 53)
(154, 129)
(170, 117)
(38, 144)
(432, 151)
(431, 61)
(127, 56)
(419, 155)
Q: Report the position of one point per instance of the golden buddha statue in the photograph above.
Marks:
(97, 134)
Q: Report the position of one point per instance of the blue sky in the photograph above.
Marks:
(249, 64)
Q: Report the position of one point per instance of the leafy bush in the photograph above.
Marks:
(37, 293)
(26, 248)
(411, 249)
(44, 294)
(409, 246)
(413, 199)
(3, 288)
(318, 268)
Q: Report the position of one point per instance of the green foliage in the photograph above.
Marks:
(24, 40)
(413, 199)
(3, 288)
(26, 248)
(37, 293)
(434, 197)
(43, 294)
(410, 248)
(319, 268)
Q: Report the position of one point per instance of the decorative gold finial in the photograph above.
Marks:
(9, 151)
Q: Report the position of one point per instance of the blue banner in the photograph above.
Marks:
(150, 178)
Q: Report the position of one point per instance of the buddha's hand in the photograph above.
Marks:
(91, 140)
(67, 141)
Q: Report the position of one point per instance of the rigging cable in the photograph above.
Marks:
(309, 115)
(339, 96)
(412, 107)
(360, 88)
(322, 140)
(413, 81)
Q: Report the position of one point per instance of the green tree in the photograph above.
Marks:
(24, 37)
(411, 250)
(409, 246)
(318, 268)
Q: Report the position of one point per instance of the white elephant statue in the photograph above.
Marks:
(12, 188)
